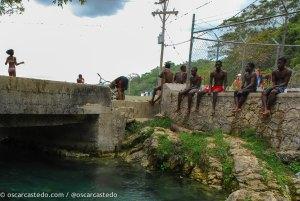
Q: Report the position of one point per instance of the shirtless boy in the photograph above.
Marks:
(166, 77)
(249, 85)
(195, 83)
(280, 79)
(181, 76)
(121, 84)
(219, 77)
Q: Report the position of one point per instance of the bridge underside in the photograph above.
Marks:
(76, 132)
(60, 114)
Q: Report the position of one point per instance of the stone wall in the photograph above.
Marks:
(32, 96)
(282, 129)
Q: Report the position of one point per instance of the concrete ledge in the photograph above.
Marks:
(33, 96)
(289, 94)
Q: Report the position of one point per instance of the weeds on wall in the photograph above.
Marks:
(135, 127)
(261, 149)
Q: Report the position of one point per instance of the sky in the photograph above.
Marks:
(109, 37)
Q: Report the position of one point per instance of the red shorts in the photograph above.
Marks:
(216, 88)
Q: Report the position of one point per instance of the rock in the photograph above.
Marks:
(248, 170)
(175, 163)
(187, 168)
(159, 115)
(289, 156)
(243, 194)
(137, 138)
(197, 174)
(178, 129)
(135, 157)
(297, 175)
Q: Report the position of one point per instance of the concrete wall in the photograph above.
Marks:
(32, 96)
(136, 109)
(282, 129)
(93, 133)
(59, 114)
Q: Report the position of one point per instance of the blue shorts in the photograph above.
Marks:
(277, 89)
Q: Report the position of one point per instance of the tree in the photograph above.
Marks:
(16, 6)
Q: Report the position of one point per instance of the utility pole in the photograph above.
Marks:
(163, 15)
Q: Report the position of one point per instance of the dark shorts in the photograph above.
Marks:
(158, 88)
(191, 91)
(244, 93)
(277, 89)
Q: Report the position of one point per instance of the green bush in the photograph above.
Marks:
(194, 147)
(165, 147)
(164, 122)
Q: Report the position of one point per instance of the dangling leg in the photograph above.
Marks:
(200, 94)
(214, 102)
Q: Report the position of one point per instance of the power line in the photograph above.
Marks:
(174, 48)
(240, 11)
(249, 21)
(180, 43)
(246, 8)
(187, 13)
(238, 42)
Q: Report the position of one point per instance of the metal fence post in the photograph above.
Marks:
(191, 51)
(218, 49)
(277, 52)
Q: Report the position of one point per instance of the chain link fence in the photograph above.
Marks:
(260, 42)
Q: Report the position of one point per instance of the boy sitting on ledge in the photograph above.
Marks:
(219, 77)
(195, 83)
(280, 79)
(249, 85)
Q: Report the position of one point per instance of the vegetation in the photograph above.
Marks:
(261, 31)
(194, 148)
(136, 127)
(295, 166)
(165, 147)
(221, 151)
(16, 6)
(262, 150)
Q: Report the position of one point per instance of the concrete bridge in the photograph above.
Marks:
(59, 113)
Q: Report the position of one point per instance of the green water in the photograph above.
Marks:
(24, 172)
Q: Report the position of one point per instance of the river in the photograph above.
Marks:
(28, 172)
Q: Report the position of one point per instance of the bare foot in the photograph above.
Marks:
(266, 113)
(197, 110)
(262, 110)
(238, 110)
(234, 110)
(151, 102)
